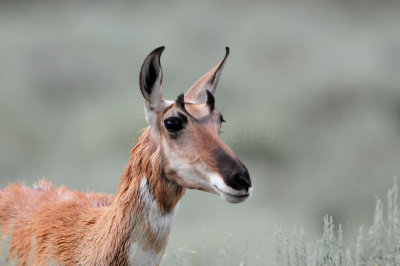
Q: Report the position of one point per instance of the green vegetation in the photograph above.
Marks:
(310, 93)
(379, 245)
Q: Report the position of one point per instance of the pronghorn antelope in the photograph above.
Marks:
(179, 149)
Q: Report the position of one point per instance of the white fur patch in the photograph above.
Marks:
(227, 193)
(168, 103)
(160, 223)
(217, 180)
(209, 180)
(183, 169)
(138, 257)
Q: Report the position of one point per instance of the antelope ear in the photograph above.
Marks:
(198, 92)
(151, 78)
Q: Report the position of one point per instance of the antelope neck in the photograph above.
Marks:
(145, 172)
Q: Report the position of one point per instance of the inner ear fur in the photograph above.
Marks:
(150, 79)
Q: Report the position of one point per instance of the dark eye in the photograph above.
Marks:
(173, 124)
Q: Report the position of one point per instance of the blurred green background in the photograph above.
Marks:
(311, 93)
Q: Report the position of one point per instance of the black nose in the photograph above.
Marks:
(233, 171)
(239, 179)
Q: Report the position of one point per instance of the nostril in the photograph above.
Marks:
(242, 180)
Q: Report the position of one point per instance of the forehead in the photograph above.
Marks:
(198, 112)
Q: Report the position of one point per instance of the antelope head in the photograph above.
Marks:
(187, 132)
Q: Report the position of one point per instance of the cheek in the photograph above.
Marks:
(185, 175)
(179, 170)
(180, 147)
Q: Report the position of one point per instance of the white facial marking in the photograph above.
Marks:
(217, 181)
(211, 181)
(168, 103)
(227, 193)
(182, 167)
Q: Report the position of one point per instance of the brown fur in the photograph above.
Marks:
(73, 228)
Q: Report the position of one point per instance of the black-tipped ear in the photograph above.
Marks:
(151, 78)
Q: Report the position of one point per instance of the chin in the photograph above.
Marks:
(235, 198)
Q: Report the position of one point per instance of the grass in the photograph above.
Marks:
(379, 245)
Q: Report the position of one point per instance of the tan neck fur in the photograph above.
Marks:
(125, 220)
(146, 162)
(74, 228)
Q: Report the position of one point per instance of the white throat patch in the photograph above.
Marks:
(160, 225)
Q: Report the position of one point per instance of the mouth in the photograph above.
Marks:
(234, 198)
